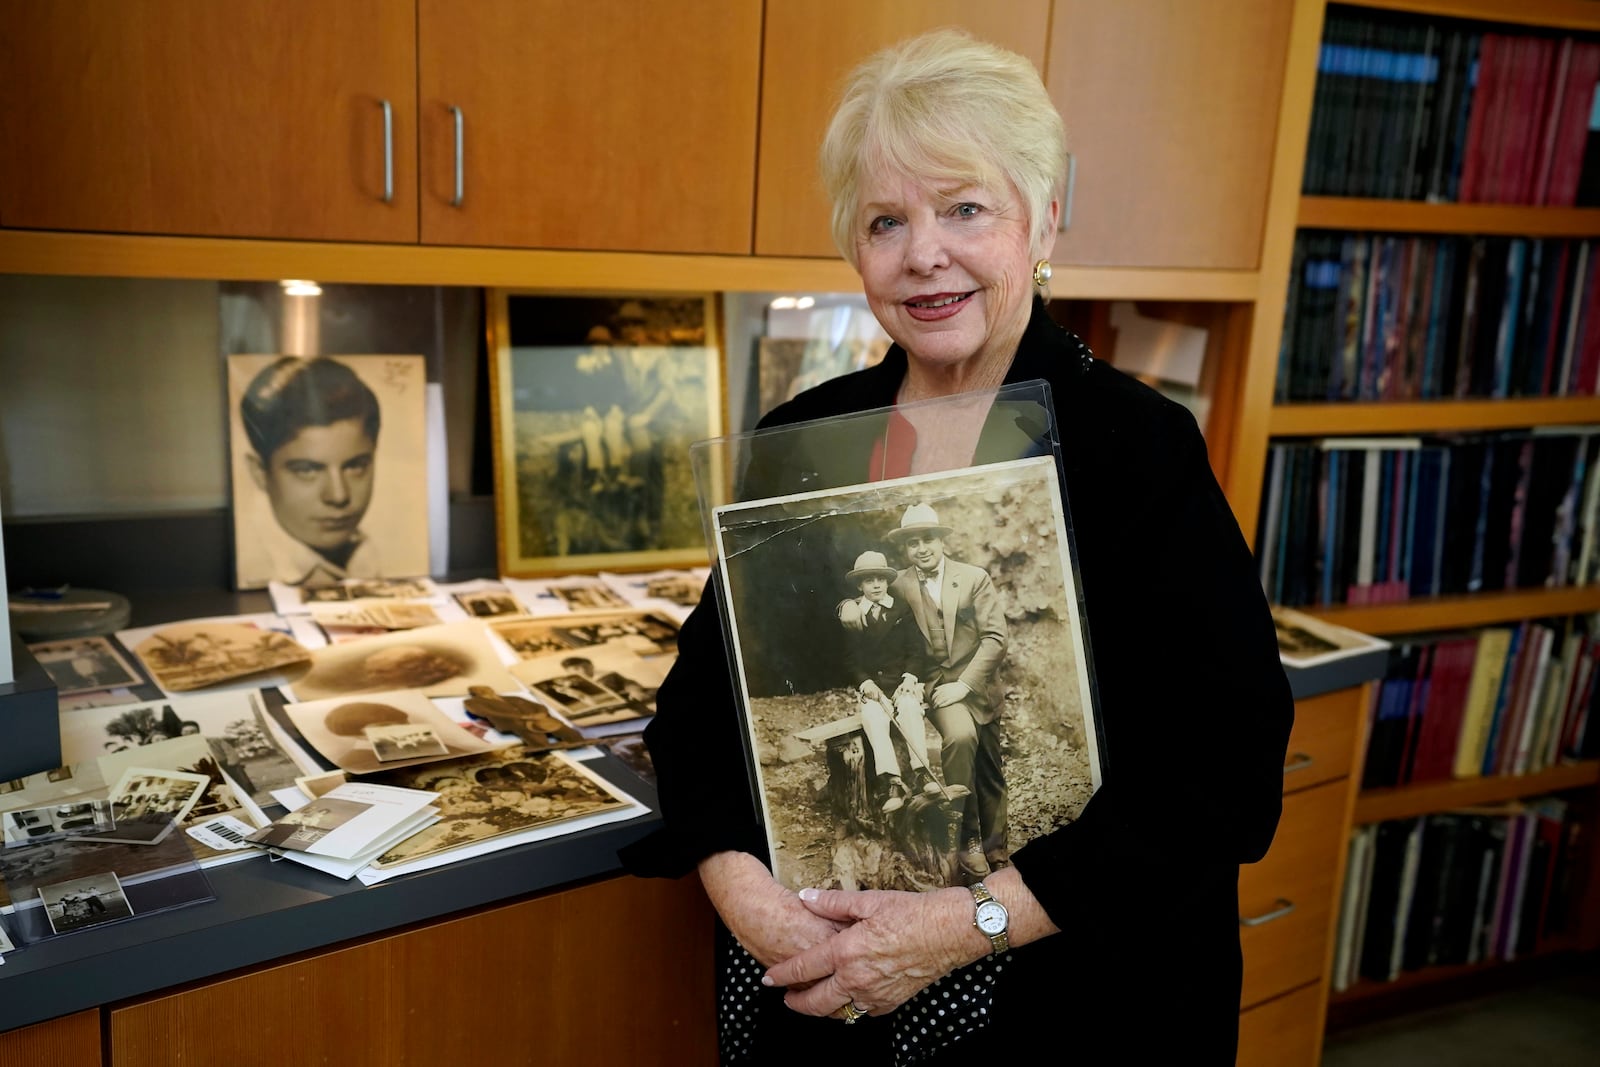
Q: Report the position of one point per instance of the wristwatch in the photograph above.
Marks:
(990, 917)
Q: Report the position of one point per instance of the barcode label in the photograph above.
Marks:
(224, 833)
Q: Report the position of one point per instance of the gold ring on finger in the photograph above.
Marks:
(851, 1013)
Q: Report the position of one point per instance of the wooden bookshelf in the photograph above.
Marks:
(1431, 416)
(1366, 989)
(1407, 801)
(1459, 612)
(1565, 14)
(1412, 216)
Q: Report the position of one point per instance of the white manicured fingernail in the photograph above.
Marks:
(808, 895)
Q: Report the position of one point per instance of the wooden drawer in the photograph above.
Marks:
(1286, 900)
(1322, 743)
(1286, 1032)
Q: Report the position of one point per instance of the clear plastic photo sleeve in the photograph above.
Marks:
(900, 600)
(74, 884)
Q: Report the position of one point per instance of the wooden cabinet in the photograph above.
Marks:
(1286, 900)
(1322, 743)
(70, 1041)
(616, 972)
(589, 124)
(255, 118)
(810, 46)
(1171, 109)
(1284, 1031)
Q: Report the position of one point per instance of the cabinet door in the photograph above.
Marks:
(810, 46)
(602, 124)
(1171, 109)
(252, 118)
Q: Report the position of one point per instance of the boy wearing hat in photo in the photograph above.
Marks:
(883, 653)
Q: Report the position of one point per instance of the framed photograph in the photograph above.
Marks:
(915, 646)
(596, 399)
(85, 664)
(329, 468)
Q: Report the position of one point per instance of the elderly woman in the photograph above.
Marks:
(1118, 937)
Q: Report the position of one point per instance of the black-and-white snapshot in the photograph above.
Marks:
(84, 664)
(57, 820)
(403, 741)
(84, 902)
(914, 645)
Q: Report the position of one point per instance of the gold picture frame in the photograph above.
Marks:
(595, 400)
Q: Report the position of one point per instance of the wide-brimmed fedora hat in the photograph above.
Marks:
(919, 518)
(871, 565)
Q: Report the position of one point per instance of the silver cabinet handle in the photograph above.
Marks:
(1066, 197)
(1297, 762)
(1281, 907)
(461, 178)
(388, 151)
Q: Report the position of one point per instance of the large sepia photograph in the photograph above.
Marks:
(913, 667)
(329, 457)
(596, 399)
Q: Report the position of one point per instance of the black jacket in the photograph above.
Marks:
(1196, 714)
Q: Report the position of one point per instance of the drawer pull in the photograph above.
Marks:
(388, 151)
(461, 151)
(1066, 197)
(1281, 908)
(1297, 762)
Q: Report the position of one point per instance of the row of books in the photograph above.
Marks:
(1414, 109)
(1505, 700)
(1377, 520)
(1395, 317)
(1459, 887)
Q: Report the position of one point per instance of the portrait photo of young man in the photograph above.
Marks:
(328, 453)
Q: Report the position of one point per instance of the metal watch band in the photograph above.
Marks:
(981, 896)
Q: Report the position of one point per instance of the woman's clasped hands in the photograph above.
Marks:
(888, 947)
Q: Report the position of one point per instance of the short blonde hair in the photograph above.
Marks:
(944, 107)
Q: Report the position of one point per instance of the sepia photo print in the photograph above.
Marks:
(329, 463)
(915, 646)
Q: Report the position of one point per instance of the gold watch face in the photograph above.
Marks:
(991, 918)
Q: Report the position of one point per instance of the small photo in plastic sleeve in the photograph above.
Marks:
(85, 902)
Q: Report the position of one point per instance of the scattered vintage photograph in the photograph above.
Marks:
(503, 792)
(444, 660)
(338, 728)
(384, 615)
(193, 655)
(600, 684)
(587, 595)
(488, 605)
(84, 902)
(329, 459)
(369, 589)
(911, 773)
(85, 664)
(57, 820)
(392, 742)
(6, 944)
(143, 791)
(227, 720)
(596, 399)
(304, 827)
(646, 632)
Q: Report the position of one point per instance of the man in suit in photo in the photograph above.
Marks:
(963, 627)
